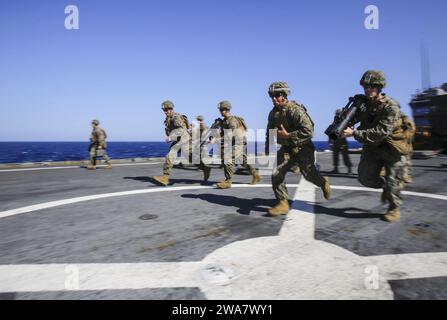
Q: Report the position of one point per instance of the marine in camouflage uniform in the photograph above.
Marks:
(98, 146)
(202, 130)
(176, 132)
(340, 145)
(295, 131)
(386, 142)
(234, 146)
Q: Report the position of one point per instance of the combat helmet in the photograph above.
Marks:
(95, 122)
(373, 78)
(224, 105)
(279, 87)
(166, 105)
(200, 118)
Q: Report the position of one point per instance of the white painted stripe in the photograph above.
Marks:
(79, 167)
(101, 276)
(409, 193)
(311, 282)
(58, 203)
(306, 184)
(425, 195)
(301, 219)
(39, 169)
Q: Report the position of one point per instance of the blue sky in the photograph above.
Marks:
(129, 56)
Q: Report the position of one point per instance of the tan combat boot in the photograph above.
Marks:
(226, 184)
(206, 173)
(90, 167)
(282, 208)
(256, 178)
(326, 188)
(109, 166)
(408, 178)
(164, 179)
(393, 215)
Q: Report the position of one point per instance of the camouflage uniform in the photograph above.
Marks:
(378, 121)
(202, 130)
(176, 128)
(98, 146)
(233, 132)
(340, 145)
(299, 147)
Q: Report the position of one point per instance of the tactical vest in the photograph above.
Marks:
(169, 126)
(238, 132)
(284, 117)
(242, 123)
(402, 137)
(95, 139)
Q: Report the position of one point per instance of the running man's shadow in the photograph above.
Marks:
(245, 206)
(142, 179)
(188, 167)
(171, 181)
(190, 181)
(356, 213)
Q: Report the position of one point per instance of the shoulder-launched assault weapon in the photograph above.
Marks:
(208, 134)
(344, 118)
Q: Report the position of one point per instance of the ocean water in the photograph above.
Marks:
(19, 152)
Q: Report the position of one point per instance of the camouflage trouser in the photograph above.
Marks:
(177, 146)
(197, 157)
(239, 152)
(408, 173)
(304, 157)
(345, 153)
(371, 163)
(203, 153)
(96, 153)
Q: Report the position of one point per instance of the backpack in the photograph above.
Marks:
(185, 121)
(408, 125)
(402, 137)
(242, 122)
(298, 105)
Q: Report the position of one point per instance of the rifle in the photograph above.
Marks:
(345, 117)
(216, 125)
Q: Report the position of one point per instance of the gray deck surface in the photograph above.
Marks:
(188, 225)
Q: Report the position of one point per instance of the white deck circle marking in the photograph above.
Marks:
(57, 203)
(292, 265)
